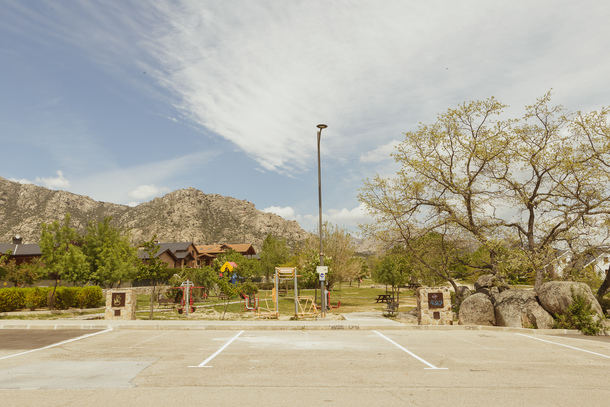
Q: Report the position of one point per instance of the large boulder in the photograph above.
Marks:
(477, 309)
(519, 308)
(490, 284)
(462, 292)
(556, 296)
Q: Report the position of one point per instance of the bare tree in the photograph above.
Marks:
(536, 180)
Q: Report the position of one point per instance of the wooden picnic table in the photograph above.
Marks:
(385, 298)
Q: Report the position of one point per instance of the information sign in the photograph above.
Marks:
(435, 300)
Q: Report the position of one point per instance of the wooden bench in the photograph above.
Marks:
(384, 298)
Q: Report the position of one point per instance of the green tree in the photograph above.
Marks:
(153, 270)
(4, 258)
(393, 269)
(111, 257)
(61, 254)
(274, 253)
(246, 268)
(533, 180)
(23, 274)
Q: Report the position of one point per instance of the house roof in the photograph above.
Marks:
(242, 247)
(220, 248)
(29, 249)
(210, 248)
(142, 254)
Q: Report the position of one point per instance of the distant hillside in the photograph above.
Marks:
(182, 215)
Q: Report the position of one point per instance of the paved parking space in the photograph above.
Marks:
(359, 367)
(24, 339)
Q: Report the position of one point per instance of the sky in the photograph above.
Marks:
(124, 101)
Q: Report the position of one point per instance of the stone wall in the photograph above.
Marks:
(120, 304)
(434, 306)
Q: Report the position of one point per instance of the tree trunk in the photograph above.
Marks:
(539, 280)
(52, 298)
(226, 306)
(603, 289)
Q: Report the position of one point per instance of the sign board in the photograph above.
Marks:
(322, 269)
(118, 299)
(435, 300)
(322, 276)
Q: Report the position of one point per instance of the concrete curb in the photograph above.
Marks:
(266, 325)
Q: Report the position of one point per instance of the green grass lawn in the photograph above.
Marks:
(352, 299)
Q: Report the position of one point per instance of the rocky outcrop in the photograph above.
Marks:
(520, 308)
(490, 284)
(556, 296)
(183, 215)
(477, 309)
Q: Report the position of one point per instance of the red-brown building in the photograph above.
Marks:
(21, 253)
(208, 253)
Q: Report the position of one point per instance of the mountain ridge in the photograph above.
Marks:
(182, 215)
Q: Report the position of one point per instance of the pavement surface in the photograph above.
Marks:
(134, 365)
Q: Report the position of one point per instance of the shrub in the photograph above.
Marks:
(90, 297)
(66, 297)
(36, 297)
(579, 316)
(11, 299)
(269, 286)
(248, 288)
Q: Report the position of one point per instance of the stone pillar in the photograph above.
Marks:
(434, 306)
(120, 304)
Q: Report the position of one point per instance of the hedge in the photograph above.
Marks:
(15, 298)
(12, 299)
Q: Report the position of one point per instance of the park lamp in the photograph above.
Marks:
(322, 286)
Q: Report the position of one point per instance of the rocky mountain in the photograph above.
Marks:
(182, 215)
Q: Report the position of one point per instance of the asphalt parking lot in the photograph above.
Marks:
(300, 368)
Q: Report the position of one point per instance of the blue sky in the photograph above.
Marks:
(127, 100)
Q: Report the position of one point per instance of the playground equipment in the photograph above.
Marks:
(328, 304)
(186, 303)
(248, 306)
(270, 307)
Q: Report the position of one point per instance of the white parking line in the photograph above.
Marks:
(565, 346)
(205, 362)
(431, 366)
(56, 344)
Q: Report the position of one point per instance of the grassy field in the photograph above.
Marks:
(344, 299)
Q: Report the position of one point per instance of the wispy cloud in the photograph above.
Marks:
(57, 182)
(140, 182)
(381, 153)
(143, 192)
(344, 217)
(286, 212)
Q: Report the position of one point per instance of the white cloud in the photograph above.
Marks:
(21, 180)
(286, 212)
(58, 182)
(263, 74)
(133, 203)
(140, 182)
(381, 153)
(348, 218)
(144, 192)
(344, 217)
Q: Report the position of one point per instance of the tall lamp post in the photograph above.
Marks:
(322, 282)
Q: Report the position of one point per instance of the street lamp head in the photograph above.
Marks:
(321, 126)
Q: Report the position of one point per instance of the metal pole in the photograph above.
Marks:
(276, 280)
(186, 286)
(322, 283)
(296, 294)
